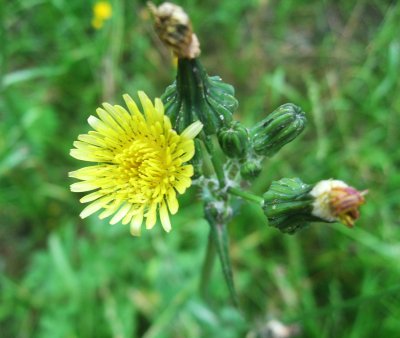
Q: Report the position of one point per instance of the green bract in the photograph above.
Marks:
(288, 205)
(196, 96)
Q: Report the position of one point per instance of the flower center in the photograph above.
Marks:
(146, 170)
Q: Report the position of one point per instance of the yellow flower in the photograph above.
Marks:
(140, 164)
(102, 11)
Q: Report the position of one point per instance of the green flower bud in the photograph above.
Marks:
(289, 203)
(277, 129)
(234, 140)
(250, 169)
(196, 96)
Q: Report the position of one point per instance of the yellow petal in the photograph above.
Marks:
(83, 186)
(164, 216)
(159, 107)
(133, 108)
(192, 130)
(92, 196)
(120, 214)
(90, 172)
(107, 118)
(83, 155)
(187, 156)
(95, 206)
(136, 223)
(122, 117)
(91, 139)
(148, 107)
(151, 216)
(182, 183)
(110, 209)
(168, 125)
(130, 214)
(172, 201)
(186, 170)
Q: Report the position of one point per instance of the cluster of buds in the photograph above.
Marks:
(289, 204)
(266, 138)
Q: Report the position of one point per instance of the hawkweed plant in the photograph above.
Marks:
(145, 158)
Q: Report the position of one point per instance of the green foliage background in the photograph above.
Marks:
(64, 277)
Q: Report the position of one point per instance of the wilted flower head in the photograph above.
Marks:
(174, 28)
(140, 164)
(102, 11)
(290, 204)
(335, 200)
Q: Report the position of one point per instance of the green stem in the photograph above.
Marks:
(208, 265)
(220, 236)
(218, 167)
(246, 195)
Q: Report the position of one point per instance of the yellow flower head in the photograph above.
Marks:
(102, 11)
(140, 164)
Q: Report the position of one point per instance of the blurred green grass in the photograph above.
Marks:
(64, 277)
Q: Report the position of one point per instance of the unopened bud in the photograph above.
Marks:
(234, 140)
(277, 129)
(250, 169)
(288, 205)
(174, 28)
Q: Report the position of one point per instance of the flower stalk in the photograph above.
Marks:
(218, 232)
(208, 265)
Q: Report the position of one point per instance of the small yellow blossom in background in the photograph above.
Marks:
(140, 164)
(102, 11)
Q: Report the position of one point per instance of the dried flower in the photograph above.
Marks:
(174, 28)
(290, 204)
(335, 200)
(141, 164)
